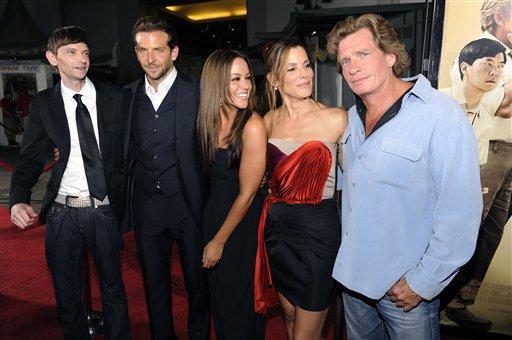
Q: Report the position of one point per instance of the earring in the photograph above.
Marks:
(275, 87)
(220, 102)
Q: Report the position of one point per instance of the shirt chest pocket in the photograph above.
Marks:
(396, 162)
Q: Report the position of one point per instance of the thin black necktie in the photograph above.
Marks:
(90, 151)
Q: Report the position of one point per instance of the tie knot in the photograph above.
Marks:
(78, 98)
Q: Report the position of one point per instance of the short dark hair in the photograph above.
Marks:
(153, 23)
(64, 36)
(480, 48)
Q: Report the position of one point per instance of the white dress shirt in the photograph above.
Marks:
(158, 95)
(74, 181)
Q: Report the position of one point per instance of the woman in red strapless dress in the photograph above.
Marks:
(299, 230)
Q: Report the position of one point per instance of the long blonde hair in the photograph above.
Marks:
(214, 89)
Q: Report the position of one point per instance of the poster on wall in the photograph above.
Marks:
(472, 62)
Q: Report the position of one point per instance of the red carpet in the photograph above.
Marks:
(27, 302)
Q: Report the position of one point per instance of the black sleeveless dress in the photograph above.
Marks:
(231, 281)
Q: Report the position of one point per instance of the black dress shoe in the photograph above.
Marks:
(463, 317)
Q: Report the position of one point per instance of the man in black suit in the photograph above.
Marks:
(165, 195)
(82, 201)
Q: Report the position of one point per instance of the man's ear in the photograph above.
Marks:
(464, 67)
(390, 59)
(52, 58)
(498, 18)
(174, 53)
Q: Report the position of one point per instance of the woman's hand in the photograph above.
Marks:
(212, 253)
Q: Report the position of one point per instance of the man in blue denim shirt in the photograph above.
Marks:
(411, 188)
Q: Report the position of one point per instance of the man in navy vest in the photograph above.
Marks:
(165, 190)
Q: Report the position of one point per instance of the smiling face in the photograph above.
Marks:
(364, 65)
(72, 61)
(484, 74)
(240, 85)
(297, 81)
(154, 55)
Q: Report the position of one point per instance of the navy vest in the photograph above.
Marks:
(155, 152)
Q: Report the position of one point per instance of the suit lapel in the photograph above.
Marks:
(103, 107)
(60, 120)
(129, 118)
(182, 109)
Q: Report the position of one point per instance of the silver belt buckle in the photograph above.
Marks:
(80, 202)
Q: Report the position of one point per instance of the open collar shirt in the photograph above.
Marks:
(478, 116)
(501, 127)
(411, 199)
(157, 96)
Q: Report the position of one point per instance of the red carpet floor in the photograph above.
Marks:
(27, 302)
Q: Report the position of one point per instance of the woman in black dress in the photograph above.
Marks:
(233, 145)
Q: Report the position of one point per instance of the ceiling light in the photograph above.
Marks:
(211, 10)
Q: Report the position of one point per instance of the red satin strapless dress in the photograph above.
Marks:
(298, 232)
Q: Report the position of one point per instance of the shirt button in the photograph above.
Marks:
(156, 116)
(353, 184)
(346, 233)
(359, 157)
(349, 209)
(155, 156)
(158, 187)
(156, 130)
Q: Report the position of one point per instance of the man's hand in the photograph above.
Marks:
(505, 108)
(212, 253)
(403, 296)
(23, 215)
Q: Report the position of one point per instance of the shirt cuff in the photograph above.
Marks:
(423, 286)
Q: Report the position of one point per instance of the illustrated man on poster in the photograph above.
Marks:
(495, 174)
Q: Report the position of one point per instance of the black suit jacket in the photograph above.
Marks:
(48, 128)
(187, 151)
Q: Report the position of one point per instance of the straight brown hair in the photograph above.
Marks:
(276, 64)
(214, 89)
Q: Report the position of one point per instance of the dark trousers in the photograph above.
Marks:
(159, 221)
(496, 178)
(68, 231)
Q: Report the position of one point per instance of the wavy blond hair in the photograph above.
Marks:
(491, 7)
(383, 33)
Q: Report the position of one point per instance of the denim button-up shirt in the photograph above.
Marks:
(412, 200)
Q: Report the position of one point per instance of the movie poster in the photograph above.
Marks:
(475, 68)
